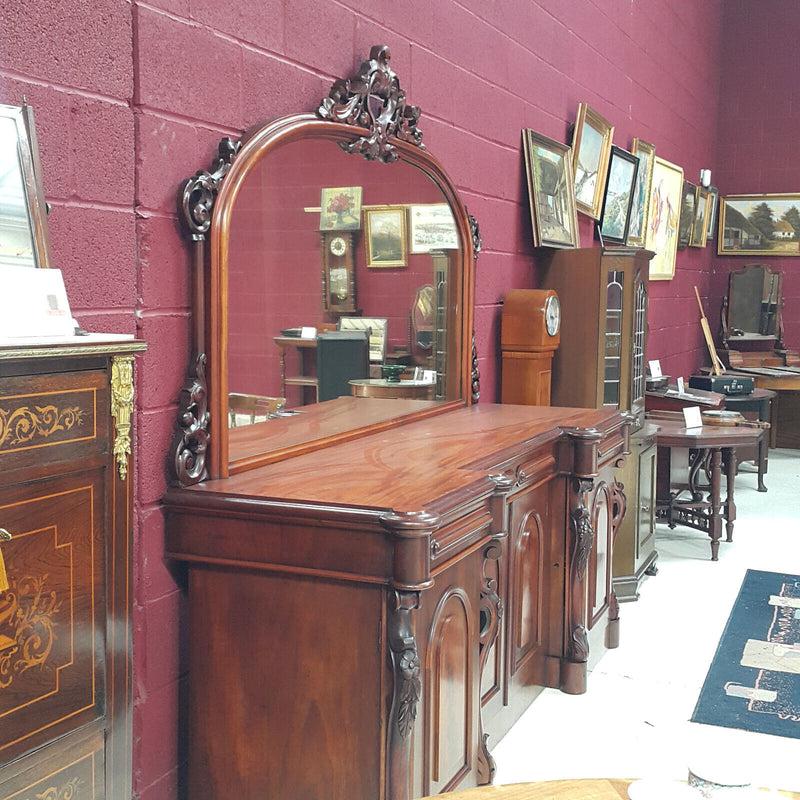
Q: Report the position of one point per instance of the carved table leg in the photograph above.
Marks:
(715, 520)
(730, 505)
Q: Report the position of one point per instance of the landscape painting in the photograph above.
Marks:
(759, 224)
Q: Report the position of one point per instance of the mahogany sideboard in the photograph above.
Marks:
(65, 624)
(368, 619)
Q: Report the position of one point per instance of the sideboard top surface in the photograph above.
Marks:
(406, 468)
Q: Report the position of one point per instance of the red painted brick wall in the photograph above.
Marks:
(759, 118)
(131, 99)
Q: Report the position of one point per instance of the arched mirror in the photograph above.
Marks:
(335, 244)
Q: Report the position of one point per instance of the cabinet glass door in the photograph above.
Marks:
(637, 365)
(612, 371)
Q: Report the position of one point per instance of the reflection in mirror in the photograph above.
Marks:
(277, 255)
(284, 211)
(754, 302)
(23, 226)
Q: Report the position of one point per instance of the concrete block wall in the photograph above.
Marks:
(132, 98)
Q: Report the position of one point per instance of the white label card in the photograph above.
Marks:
(308, 332)
(681, 386)
(655, 368)
(692, 417)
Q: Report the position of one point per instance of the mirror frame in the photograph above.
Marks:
(31, 171)
(347, 118)
(751, 338)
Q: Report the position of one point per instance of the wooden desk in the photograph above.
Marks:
(380, 387)
(709, 449)
(785, 381)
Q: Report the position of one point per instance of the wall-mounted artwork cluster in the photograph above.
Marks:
(636, 198)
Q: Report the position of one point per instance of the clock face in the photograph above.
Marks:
(552, 315)
(338, 246)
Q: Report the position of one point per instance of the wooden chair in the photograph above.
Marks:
(252, 405)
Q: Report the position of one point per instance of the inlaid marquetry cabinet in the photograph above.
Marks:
(65, 501)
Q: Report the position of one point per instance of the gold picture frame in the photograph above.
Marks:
(385, 237)
(744, 220)
(551, 191)
(646, 155)
(700, 225)
(664, 216)
(591, 149)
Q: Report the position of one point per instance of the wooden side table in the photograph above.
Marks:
(756, 405)
(302, 379)
(711, 449)
(380, 387)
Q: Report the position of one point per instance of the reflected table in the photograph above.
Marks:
(380, 387)
(689, 474)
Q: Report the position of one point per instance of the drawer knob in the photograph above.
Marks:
(5, 536)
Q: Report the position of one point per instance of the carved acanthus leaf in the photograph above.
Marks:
(192, 440)
(373, 99)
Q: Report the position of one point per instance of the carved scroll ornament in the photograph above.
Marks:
(191, 441)
(583, 536)
(200, 191)
(373, 100)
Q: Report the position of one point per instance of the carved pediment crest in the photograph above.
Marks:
(373, 99)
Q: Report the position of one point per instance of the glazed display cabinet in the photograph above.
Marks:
(600, 362)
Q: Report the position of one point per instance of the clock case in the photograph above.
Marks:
(332, 300)
(527, 347)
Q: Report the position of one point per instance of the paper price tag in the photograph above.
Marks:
(692, 417)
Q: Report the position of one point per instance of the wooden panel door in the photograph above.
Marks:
(534, 617)
(450, 613)
(52, 618)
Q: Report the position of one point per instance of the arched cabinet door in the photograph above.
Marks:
(450, 614)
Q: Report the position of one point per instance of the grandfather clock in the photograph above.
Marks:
(530, 334)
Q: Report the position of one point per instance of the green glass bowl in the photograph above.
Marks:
(392, 372)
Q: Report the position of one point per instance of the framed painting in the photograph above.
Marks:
(554, 218)
(700, 224)
(385, 236)
(591, 148)
(432, 227)
(664, 210)
(620, 183)
(759, 224)
(637, 225)
(340, 209)
(688, 205)
(713, 203)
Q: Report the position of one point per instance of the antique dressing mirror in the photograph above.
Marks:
(278, 226)
(751, 314)
(24, 241)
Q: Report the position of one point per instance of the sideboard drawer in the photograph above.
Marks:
(53, 419)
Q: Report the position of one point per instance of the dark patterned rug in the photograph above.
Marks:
(754, 680)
